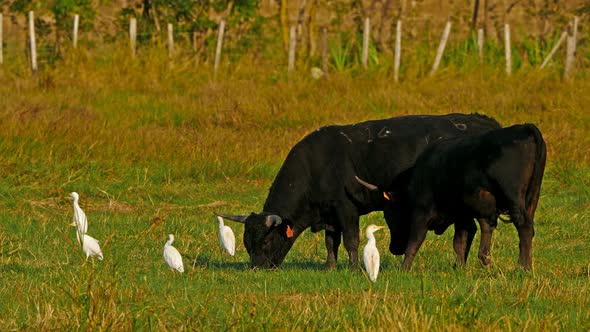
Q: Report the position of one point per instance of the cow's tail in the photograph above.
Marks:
(534, 187)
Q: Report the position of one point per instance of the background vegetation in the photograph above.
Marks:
(154, 147)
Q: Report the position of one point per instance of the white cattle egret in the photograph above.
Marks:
(90, 247)
(172, 256)
(227, 237)
(79, 216)
(371, 254)
(89, 244)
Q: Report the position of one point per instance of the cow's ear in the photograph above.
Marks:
(273, 220)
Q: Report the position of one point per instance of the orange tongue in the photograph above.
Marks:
(289, 232)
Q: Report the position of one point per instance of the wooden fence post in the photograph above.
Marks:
(571, 50)
(398, 50)
(553, 50)
(441, 47)
(218, 48)
(507, 49)
(292, 39)
(133, 34)
(75, 32)
(32, 41)
(366, 34)
(1, 49)
(480, 44)
(170, 40)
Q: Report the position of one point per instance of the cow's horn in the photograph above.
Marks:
(273, 220)
(238, 218)
(366, 184)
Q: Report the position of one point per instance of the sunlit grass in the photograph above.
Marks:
(154, 148)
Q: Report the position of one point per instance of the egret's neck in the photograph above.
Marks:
(168, 243)
(371, 238)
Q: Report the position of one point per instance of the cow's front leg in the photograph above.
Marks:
(464, 232)
(333, 239)
(349, 221)
(418, 230)
(351, 243)
(487, 227)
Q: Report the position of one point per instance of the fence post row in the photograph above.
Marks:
(32, 41)
(218, 48)
(398, 50)
(508, 50)
(569, 34)
(75, 32)
(170, 40)
(132, 34)
(441, 47)
(571, 49)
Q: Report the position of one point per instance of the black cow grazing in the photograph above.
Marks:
(315, 187)
(456, 180)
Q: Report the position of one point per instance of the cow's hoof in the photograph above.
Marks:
(459, 266)
(485, 260)
(330, 266)
(353, 267)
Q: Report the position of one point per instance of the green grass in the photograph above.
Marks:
(156, 149)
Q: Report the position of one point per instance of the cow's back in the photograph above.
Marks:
(319, 170)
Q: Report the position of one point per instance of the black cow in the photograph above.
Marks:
(315, 187)
(456, 180)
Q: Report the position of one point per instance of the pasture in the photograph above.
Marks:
(154, 150)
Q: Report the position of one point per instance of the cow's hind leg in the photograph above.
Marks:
(487, 227)
(526, 232)
(333, 239)
(464, 232)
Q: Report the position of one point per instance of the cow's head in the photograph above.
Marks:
(267, 237)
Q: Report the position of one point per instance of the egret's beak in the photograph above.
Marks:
(380, 227)
(73, 224)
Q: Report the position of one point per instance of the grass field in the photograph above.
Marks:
(155, 149)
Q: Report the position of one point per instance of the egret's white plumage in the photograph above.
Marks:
(371, 254)
(89, 244)
(172, 256)
(227, 237)
(91, 247)
(79, 215)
